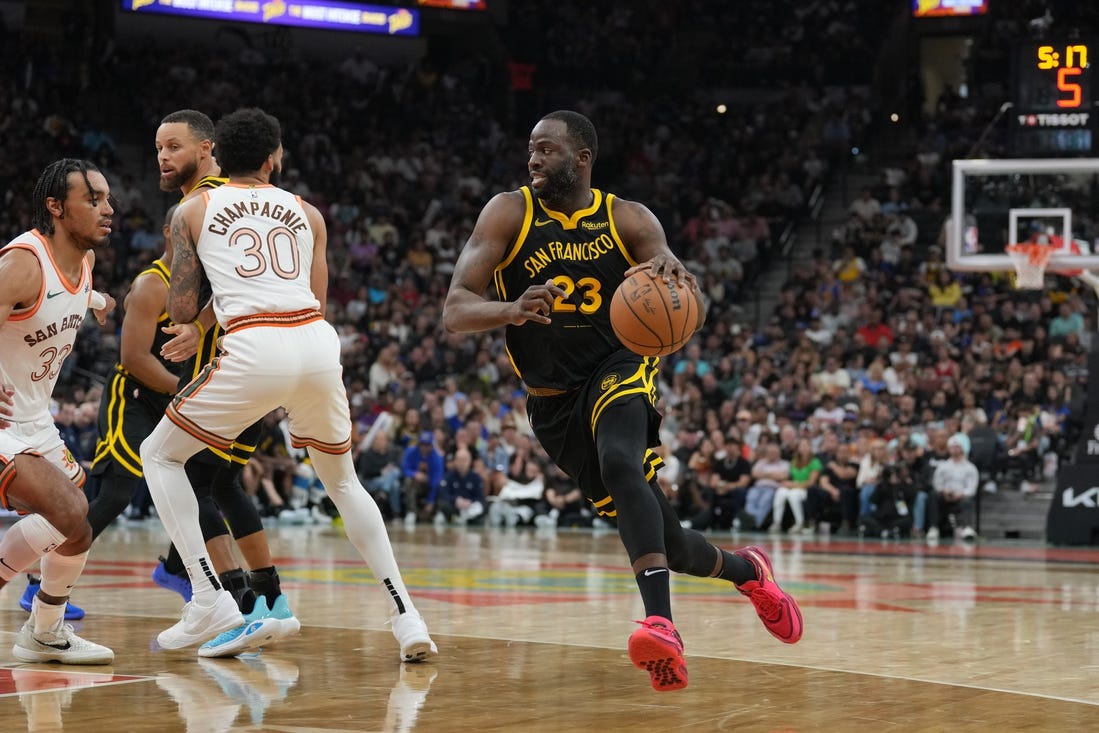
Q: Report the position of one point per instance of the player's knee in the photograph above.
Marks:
(69, 521)
(618, 465)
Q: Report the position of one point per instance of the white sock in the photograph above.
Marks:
(46, 615)
(25, 541)
(363, 522)
(60, 573)
(162, 456)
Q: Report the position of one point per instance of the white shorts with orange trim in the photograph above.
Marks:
(260, 369)
(38, 438)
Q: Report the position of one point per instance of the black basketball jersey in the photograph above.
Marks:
(159, 269)
(585, 257)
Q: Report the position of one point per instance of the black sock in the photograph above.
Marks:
(735, 569)
(235, 582)
(265, 582)
(174, 563)
(655, 591)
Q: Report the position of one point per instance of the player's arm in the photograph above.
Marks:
(102, 304)
(144, 305)
(318, 275)
(643, 235)
(20, 281)
(466, 308)
(183, 302)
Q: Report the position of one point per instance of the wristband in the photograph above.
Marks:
(201, 330)
(97, 301)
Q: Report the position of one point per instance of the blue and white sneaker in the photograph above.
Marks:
(72, 613)
(280, 612)
(258, 628)
(171, 581)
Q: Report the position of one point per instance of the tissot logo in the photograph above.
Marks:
(1089, 498)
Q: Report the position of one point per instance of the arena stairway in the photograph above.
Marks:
(1010, 514)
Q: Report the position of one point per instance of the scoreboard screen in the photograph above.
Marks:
(1054, 104)
(948, 8)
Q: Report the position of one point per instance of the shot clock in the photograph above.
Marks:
(1054, 108)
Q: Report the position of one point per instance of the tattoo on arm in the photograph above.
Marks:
(186, 274)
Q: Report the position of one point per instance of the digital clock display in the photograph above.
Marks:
(1053, 103)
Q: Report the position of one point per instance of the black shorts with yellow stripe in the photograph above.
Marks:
(128, 412)
(238, 453)
(566, 424)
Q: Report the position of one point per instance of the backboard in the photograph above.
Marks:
(999, 202)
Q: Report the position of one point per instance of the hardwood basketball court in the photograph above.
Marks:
(532, 627)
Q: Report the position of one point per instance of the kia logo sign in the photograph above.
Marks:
(1089, 498)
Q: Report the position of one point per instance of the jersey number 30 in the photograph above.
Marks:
(274, 257)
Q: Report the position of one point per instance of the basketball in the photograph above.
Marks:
(652, 317)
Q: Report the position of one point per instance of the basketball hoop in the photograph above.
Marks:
(1030, 260)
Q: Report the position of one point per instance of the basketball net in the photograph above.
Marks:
(1030, 260)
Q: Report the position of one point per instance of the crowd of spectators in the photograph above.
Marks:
(874, 349)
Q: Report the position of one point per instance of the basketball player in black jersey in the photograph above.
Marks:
(556, 250)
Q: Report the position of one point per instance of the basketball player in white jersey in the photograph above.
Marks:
(45, 293)
(263, 250)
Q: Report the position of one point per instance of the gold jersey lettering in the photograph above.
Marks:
(568, 251)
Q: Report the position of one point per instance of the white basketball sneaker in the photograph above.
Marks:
(200, 623)
(411, 633)
(58, 644)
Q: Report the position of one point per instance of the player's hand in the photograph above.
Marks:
(106, 309)
(184, 345)
(7, 399)
(667, 267)
(535, 304)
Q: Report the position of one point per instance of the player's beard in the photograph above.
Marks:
(275, 177)
(559, 184)
(177, 179)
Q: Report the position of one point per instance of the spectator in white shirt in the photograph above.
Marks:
(955, 482)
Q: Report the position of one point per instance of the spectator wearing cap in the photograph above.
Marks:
(955, 482)
(422, 470)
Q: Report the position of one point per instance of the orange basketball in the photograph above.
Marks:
(652, 317)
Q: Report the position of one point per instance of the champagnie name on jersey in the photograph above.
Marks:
(66, 323)
(572, 251)
(222, 221)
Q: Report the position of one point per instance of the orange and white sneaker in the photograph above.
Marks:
(657, 649)
(775, 607)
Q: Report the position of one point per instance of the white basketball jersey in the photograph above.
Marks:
(256, 247)
(36, 340)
